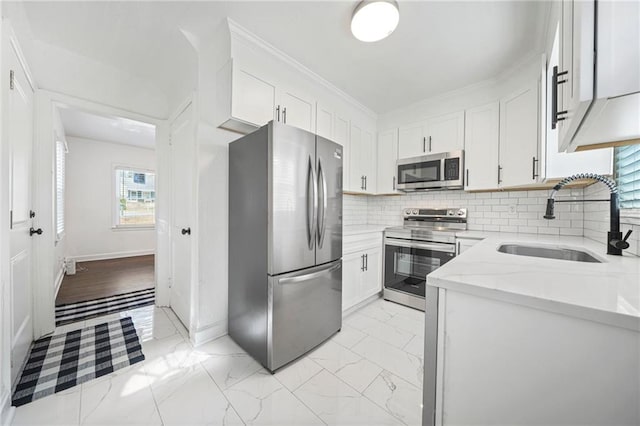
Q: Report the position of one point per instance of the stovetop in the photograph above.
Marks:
(435, 225)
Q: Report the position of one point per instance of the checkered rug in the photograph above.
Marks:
(72, 312)
(65, 360)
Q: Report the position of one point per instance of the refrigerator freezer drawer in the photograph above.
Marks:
(305, 310)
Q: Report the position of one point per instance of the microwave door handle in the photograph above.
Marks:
(322, 212)
(311, 211)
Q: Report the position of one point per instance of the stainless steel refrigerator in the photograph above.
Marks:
(285, 242)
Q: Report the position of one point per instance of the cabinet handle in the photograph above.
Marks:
(555, 115)
(429, 143)
(366, 262)
(362, 182)
(424, 144)
(458, 252)
(365, 183)
(467, 178)
(394, 183)
(534, 175)
(284, 115)
(499, 173)
(362, 262)
(278, 113)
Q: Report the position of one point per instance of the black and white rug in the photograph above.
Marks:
(80, 311)
(65, 360)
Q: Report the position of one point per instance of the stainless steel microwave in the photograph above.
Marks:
(435, 171)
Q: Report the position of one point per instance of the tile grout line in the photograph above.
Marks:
(222, 392)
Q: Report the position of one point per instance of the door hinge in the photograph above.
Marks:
(11, 78)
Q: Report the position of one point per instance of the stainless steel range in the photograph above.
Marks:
(411, 252)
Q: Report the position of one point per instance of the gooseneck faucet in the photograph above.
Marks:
(615, 242)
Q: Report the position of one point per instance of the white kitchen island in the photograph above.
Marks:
(527, 340)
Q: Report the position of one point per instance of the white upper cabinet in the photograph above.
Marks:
(412, 140)
(519, 137)
(296, 109)
(437, 134)
(244, 100)
(445, 132)
(387, 157)
(609, 37)
(362, 161)
(481, 147)
(324, 121)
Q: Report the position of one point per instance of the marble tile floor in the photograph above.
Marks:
(368, 374)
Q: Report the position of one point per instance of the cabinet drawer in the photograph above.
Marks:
(359, 242)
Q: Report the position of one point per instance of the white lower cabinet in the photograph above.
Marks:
(361, 268)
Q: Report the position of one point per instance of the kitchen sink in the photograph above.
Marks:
(548, 252)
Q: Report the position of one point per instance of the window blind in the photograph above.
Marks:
(60, 184)
(627, 166)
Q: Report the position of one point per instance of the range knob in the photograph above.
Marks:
(414, 211)
(460, 212)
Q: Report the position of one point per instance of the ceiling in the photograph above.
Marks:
(118, 130)
(438, 46)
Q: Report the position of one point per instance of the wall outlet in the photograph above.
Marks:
(513, 210)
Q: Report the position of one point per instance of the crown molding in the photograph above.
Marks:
(248, 36)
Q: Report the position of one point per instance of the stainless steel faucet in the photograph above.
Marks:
(615, 242)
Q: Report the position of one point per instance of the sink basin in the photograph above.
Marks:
(548, 252)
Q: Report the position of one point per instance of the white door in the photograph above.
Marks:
(411, 141)
(296, 110)
(18, 119)
(387, 156)
(183, 155)
(445, 132)
(519, 132)
(372, 277)
(481, 147)
(324, 122)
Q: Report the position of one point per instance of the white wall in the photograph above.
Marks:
(89, 200)
(60, 245)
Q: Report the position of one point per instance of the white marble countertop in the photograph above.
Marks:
(607, 292)
(361, 229)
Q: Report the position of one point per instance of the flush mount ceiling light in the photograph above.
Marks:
(374, 20)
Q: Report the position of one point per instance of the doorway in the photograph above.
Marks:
(105, 216)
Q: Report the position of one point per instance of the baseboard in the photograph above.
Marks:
(362, 304)
(209, 333)
(7, 412)
(59, 279)
(117, 255)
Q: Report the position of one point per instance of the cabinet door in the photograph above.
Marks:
(577, 59)
(411, 141)
(481, 147)
(372, 277)
(519, 135)
(445, 132)
(296, 110)
(387, 156)
(352, 265)
(324, 121)
(341, 135)
(253, 98)
(356, 174)
(368, 161)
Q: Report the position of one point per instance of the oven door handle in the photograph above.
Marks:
(446, 248)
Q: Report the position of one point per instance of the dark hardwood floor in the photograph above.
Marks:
(102, 278)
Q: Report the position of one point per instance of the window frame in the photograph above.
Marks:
(59, 209)
(115, 201)
(632, 213)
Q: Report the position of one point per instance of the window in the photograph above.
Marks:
(61, 151)
(135, 198)
(627, 166)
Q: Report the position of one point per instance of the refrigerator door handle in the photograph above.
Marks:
(311, 211)
(311, 276)
(322, 213)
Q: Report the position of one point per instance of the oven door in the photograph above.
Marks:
(407, 264)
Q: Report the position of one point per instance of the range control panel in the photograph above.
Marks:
(435, 213)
